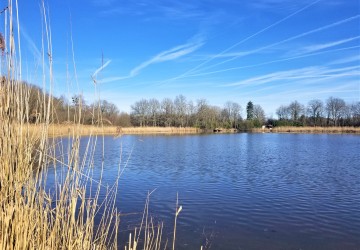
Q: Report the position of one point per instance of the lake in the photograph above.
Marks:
(240, 191)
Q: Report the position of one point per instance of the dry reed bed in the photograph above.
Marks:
(56, 130)
(32, 217)
(312, 130)
(160, 130)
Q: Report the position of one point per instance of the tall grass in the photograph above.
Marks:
(68, 214)
(312, 130)
(30, 216)
(60, 130)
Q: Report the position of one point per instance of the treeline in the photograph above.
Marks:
(71, 110)
(333, 112)
(180, 112)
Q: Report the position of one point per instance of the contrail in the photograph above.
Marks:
(307, 72)
(167, 55)
(316, 47)
(246, 39)
(274, 61)
(292, 38)
(101, 68)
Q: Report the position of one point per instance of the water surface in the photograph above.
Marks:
(241, 191)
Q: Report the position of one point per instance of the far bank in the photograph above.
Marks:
(59, 130)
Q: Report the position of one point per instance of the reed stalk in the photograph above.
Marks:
(31, 216)
(68, 214)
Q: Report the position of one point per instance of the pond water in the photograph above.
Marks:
(240, 191)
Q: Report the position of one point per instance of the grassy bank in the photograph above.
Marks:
(311, 130)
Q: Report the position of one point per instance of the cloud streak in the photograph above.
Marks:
(167, 55)
(317, 47)
(148, 10)
(350, 59)
(96, 72)
(32, 46)
(273, 61)
(303, 73)
(305, 50)
(246, 39)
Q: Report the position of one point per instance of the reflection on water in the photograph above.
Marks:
(241, 191)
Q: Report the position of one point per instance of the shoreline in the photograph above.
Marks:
(85, 130)
(310, 130)
(60, 130)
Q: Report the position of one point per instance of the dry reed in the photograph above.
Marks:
(58, 130)
(30, 216)
(311, 130)
(70, 215)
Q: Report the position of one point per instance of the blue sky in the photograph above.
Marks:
(271, 52)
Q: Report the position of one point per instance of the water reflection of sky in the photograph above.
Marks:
(251, 191)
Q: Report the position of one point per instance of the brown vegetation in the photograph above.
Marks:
(31, 216)
(67, 214)
(59, 130)
(310, 130)
(56, 130)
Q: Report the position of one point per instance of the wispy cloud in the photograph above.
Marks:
(167, 55)
(303, 51)
(96, 72)
(287, 94)
(181, 10)
(281, 5)
(149, 10)
(321, 46)
(272, 61)
(350, 59)
(303, 73)
(36, 53)
(200, 67)
(32, 46)
(276, 76)
(276, 5)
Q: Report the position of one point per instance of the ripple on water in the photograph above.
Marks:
(250, 191)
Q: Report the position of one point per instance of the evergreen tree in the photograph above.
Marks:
(250, 110)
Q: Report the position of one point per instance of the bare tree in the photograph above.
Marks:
(296, 109)
(167, 110)
(154, 110)
(233, 111)
(346, 116)
(259, 114)
(139, 112)
(315, 109)
(236, 114)
(334, 108)
(180, 107)
(283, 112)
(123, 120)
(106, 111)
(355, 113)
(226, 113)
(191, 112)
(201, 107)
